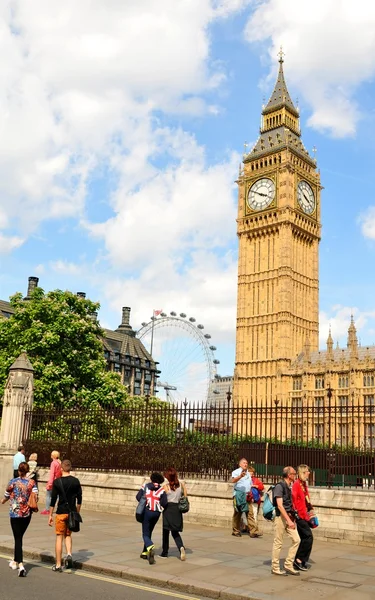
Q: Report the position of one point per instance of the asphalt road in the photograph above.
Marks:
(42, 582)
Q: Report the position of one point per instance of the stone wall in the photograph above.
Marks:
(347, 516)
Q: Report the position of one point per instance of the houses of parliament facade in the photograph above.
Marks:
(278, 361)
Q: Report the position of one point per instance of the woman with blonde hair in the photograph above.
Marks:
(33, 466)
(54, 473)
(302, 506)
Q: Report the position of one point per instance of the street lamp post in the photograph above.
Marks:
(276, 402)
(329, 396)
(229, 398)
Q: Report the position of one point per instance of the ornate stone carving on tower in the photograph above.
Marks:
(278, 228)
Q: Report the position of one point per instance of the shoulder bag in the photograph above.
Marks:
(140, 510)
(33, 502)
(183, 503)
(74, 518)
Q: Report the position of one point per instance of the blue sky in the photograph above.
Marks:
(122, 127)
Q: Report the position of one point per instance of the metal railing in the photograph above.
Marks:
(207, 441)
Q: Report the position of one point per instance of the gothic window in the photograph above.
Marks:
(138, 375)
(296, 406)
(319, 432)
(319, 405)
(343, 381)
(370, 405)
(319, 383)
(117, 368)
(368, 380)
(370, 435)
(297, 431)
(343, 404)
(297, 383)
(147, 376)
(343, 430)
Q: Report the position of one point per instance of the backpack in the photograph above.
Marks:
(269, 511)
(256, 495)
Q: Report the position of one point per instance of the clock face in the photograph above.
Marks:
(261, 194)
(305, 197)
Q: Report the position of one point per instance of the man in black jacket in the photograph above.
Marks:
(67, 489)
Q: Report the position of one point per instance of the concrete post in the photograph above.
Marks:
(18, 397)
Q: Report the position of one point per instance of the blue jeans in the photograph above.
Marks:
(151, 517)
(48, 499)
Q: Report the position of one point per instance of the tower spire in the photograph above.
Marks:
(280, 97)
(352, 338)
(330, 345)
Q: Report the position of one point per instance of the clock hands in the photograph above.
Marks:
(260, 194)
(306, 197)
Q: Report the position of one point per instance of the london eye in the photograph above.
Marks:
(185, 354)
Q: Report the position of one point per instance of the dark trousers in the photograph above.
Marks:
(177, 538)
(19, 526)
(151, 517)
(305, 533)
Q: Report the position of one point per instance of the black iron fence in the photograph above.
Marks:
(207, 441)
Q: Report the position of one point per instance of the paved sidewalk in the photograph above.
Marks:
(217, 564)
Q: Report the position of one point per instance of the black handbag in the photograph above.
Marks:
(74, 518)
(183, 503)
(140, 510)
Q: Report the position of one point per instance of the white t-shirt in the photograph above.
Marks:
(244, 484)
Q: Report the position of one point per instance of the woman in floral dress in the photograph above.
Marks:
(18, 493)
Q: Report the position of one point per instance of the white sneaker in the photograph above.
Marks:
(13, 565)
(22, 572)
(182, 553)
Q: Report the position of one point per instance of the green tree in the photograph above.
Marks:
(62, 339)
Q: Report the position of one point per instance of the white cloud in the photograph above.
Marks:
(79, 85)
(367, 222)
(9, 243)
(338, 319)
(330, 52)
(64, 267)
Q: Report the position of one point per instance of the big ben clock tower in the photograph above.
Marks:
(278, 228)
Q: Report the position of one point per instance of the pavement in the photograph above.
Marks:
(217, 565)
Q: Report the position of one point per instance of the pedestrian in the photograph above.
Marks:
(285, 523)
(172, 516)
(33, 467)
(302, 505)
(242, 500)
(67, 490)
(18, 493)
(54, 473)
(17, 459)
(156, 500)
(256, 491)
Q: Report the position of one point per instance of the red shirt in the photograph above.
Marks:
(300, 497)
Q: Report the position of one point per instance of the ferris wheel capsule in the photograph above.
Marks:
(200, 326)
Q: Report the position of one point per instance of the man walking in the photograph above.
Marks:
(18, 458)
(242, 500)
(69, 492)
(284, 524)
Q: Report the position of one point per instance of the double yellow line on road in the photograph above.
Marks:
(136, 586)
